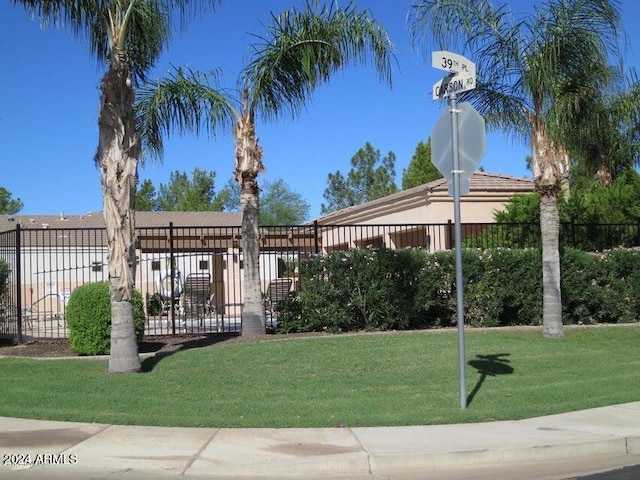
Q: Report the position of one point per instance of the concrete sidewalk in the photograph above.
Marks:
(71, 450)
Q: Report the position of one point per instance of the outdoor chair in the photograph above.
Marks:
(197, 300)
(165, 297)
(277, 291)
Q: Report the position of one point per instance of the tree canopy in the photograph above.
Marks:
(279, 205)
(370, 177)
(8, 204)
(183, 193)
(420, 170)
(196, 193)
(592, 204)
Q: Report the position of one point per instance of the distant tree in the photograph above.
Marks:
(229, 196)
(523, 208)
(598, 203)
(184, 194)
(9, 205)
(591, 204)
(282, 206)
(369, 178)
(609, 142)
(420, 170)
(146, 197)
(279, 205)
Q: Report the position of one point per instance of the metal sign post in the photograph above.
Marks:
(457, 145)
(458, 234)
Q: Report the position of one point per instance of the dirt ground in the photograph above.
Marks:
(166, 343)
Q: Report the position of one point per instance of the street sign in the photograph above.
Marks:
(457, 145)
(452, 62)
(460, 82)
(471, 142)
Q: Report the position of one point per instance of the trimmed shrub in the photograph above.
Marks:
(4, 276)
(153, 305)
(402, 289)
(601, 287)
(501, 287)
(504, 287)
(88, 316)
(356, 290)
(435, 298)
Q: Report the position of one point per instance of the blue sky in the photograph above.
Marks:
(49, 108)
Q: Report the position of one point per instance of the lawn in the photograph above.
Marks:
(407, 378)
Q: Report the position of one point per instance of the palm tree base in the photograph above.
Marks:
(552, 333)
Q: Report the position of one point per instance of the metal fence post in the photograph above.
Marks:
(18, 264)
(316, 243)
(172, 269)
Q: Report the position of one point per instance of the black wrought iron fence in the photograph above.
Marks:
(191, 277)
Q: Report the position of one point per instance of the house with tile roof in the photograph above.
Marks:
(429, 207)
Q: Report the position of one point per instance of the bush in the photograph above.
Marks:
(88, 316)
(487, 302)
(504, 287)
(153, 305)
(435, 298)
(4, 277)
(601, 287)
(356, 290)
(403, 289)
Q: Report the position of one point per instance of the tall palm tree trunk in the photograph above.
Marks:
(552, 298)
(550, 169)
(248, 165)
(118, 151)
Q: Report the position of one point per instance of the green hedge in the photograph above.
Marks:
(356, 290)
(4, 277)
(601, 287)
(88, 316)
(410, 288)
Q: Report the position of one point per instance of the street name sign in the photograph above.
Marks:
(462, 74)
(453, 84)
(452, 62)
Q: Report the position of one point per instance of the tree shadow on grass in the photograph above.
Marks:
(149, 363)
(488, 366)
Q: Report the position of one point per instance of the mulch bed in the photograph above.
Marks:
(167, 343)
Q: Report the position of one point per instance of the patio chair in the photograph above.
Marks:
(163, 293)
(277, 291)
(197, 300)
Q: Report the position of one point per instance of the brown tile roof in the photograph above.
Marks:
(143, 220)
(488, 182)
(479, 182)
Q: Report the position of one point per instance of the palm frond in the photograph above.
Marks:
(302, 49)
(185, 101)
(531, 69)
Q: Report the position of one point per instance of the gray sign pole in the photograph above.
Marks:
(458, 234)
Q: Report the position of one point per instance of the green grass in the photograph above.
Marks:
(358, 380)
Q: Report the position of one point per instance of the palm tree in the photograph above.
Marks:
(128, 36)
(524, 65)
(300, 51)
(609, 144)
